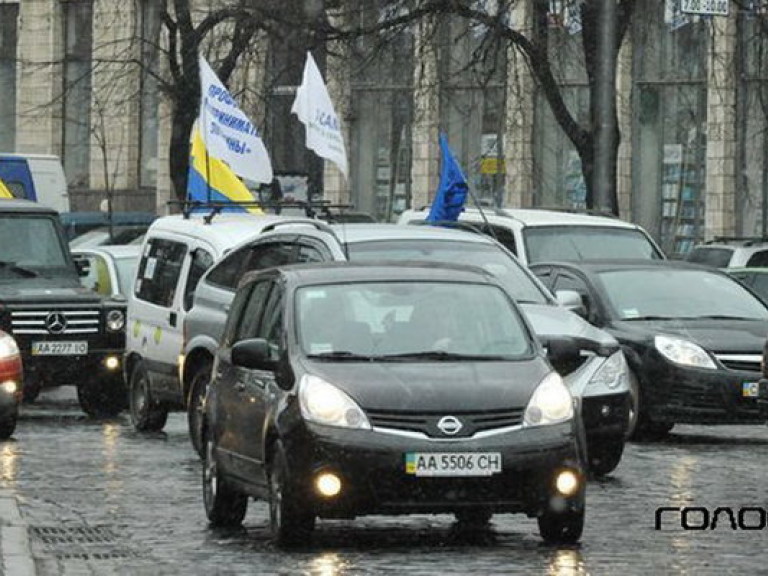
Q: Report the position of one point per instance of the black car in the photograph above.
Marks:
(348, 389)
(692, 337)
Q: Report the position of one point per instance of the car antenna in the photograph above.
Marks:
(482, 213)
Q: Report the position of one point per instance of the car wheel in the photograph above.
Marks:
(561, 527)
(604, 455)
(473, 518)
(224, 506)
(291, 522)
(634, 403)
(146, 415)
(196, 405)
(7, 427)
(102, 398)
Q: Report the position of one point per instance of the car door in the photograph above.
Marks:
(154, 328)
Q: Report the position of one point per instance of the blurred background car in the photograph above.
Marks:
(754, 278)
(78, 223)
(110, 270)
(692, 336)
(106, 236)
(731, 252)
(11, 384)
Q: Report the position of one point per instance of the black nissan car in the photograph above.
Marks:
(692, 336)
(348, 389)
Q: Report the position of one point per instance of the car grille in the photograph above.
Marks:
(742, 362)
(68, 321)
(426, 423)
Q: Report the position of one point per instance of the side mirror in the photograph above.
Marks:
(571, 300)
(564, 354)
(252, 354)
(83, 266)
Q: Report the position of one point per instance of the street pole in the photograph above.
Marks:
(604, 175)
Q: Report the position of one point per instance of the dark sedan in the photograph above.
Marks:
(348, 389)
(692, 337)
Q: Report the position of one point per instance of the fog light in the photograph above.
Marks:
(112, 362)
(9, 386)
(567, 483)
(328, 484)
(605, 411)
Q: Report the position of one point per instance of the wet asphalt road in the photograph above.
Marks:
(100, 499)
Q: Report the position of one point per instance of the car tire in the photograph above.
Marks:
(473, 518)
(561, 527)
(224, 506)
(8, 427)
(634, 403)
(604, 454)
(198, 388)
(291, 523)
(103, 398)
(146, 414)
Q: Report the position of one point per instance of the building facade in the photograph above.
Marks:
(85, 79)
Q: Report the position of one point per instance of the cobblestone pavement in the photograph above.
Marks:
(98, 498)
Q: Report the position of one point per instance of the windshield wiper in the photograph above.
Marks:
(18, 269)
(441, 355)
(718, 317)
(340, 355)
(650, 318)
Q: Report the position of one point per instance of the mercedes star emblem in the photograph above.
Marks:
(449, 425)
(55, 322)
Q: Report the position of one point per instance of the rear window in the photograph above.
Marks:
(716, 257)
(547, 243)
(758, 259)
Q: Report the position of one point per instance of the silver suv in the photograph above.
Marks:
(598, 380)
(731, 252)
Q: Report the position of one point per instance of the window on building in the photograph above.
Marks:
(669, 126)
(76, 91)
(9, 16)
(149, 101)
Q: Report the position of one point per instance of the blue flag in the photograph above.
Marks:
(452, 190)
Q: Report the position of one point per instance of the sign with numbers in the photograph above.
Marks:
(709, 7)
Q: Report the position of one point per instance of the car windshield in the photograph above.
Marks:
(662, 294)
(548, 243)
(402, 319)
(126, 270)
(512, 275)
(717, 257)
(29, 243)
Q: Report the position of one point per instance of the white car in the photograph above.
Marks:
(537, 235)
(110, 269)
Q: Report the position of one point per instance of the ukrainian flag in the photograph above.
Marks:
(4, 192)
(222, 185)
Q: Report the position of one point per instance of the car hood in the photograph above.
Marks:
(549, 321)
(742, 336)
(441, 386)
(47, 290)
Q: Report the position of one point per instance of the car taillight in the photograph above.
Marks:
(10, 359)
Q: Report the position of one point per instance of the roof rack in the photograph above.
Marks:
(311, 209)
(462, 225)
(747, 240)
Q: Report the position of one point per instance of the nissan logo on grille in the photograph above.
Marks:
(449, 425)
(55, 322)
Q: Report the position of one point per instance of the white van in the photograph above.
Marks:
(36, 177)
(537, 235)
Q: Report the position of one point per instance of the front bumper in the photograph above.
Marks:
(371, 466)
(606, 415)
(64, 370)
(682, 395)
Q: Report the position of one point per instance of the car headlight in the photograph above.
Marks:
(551, 402)
(324, 403)
(683, 352)
(612, 373)
(115, 320)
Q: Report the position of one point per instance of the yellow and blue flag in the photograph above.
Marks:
(4, 192)
(453, 189)
(211, 180)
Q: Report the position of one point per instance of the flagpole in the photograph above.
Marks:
(203, 138)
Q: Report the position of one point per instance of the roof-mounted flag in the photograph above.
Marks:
(452, 190)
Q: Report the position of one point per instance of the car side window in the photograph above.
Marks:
(271, 327)
(159, 271)
(226, 274)
(760, 285)
(309, 253)
(252, 311)
(201, 261)
(503, 235)
(268, 255)
(758, 259)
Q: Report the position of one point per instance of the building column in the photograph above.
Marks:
(624, 118)
(720, 217)
(39, 81)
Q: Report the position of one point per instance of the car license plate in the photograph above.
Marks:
(70, 348)
(452, 463)
(750, 389)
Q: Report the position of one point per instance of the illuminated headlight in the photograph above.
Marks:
(551, 403)
(9, 387)
(115, 320)
(683, 352)
(323, 403)
(8, 347)
(612, 373)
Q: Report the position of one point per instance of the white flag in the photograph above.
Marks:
(314, 109)
(228, 133)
